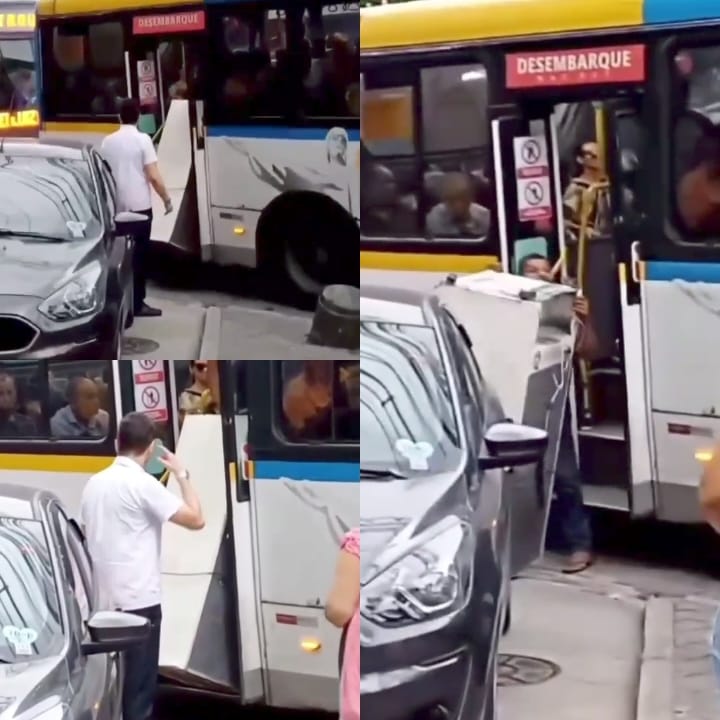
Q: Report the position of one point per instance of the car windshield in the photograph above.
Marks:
(407, 421)
(44, 196)
(30, 625)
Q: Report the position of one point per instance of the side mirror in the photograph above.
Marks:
(511, 445)
(129, 217)
(115, 632)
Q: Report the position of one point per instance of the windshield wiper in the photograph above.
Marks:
(4, 232)
(382, 473)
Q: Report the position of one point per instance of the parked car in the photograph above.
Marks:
(58, 658)
(65, 271)
(435, 513)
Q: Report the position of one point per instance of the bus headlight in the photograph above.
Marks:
(432, 580)
(78, 298)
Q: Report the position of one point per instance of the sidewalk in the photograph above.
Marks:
(177, 334)
(594, 639)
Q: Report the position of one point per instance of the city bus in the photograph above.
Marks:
(587, 132)
(254, 106)
(243, 598)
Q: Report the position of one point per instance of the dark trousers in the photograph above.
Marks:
(569, 524)
(140, 666)
(141, 233)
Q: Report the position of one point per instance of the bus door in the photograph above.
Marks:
(550, 203)
(680, 269)
(165, 59)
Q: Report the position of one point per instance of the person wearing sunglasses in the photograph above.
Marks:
(197, 398)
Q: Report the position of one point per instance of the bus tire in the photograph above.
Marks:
(311, 239)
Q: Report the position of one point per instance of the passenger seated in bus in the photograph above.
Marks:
(347, 406)
(457, 215)
(197, 398)
(13, 424)
(698, 189)
(82, 417)
(308, 401)
(600, 220)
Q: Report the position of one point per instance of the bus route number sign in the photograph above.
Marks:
(17, 22)
(149, 389)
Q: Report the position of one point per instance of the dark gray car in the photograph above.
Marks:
(58, 658)
(437, 462)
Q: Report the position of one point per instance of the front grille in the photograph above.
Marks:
(16, 334)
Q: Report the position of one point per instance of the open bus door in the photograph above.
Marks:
(166, 56)
(530, 146)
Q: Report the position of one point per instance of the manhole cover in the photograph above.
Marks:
(524, 670)
(138, 346)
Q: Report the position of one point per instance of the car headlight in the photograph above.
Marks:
(431, 580)
(80, 297)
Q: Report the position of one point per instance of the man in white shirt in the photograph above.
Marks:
(123, 509)
(134, 164)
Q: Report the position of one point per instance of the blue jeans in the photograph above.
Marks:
(569, 524)
(715, 649)
(141, 669)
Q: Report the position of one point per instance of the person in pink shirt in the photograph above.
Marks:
(342, 609)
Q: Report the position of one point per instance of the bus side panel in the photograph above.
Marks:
(303, 511)
(682, 303)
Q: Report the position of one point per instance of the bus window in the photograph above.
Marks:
(85, 66)
(320, 401)
(62, 401)
(696, 142)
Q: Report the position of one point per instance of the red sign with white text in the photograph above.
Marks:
(615, 64)
(179, 22)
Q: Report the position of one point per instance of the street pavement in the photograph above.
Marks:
(629, 642)
(222, 326)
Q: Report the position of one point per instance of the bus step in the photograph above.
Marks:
(609, 430)
(609, 498)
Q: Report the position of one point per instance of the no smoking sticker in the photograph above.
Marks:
(148, 93)
(532, 175)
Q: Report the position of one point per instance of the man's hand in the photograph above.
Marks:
(581, 306)
(171, 462)
(168, 206)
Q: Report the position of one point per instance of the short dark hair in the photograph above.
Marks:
(129, 111)
(529, 257)
(135, 434)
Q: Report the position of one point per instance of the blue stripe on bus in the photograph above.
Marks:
(667, 11)
(315, 471)
(690, 271)
(274, 132)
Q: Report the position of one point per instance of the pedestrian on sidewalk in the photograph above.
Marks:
(342, 609)
(134, 164)
(122, 511)
(569, 524)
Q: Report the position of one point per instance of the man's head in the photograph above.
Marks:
(84, 398)
(457, 195)
(199, 371)
(136, 437)
(319, 372)
(8, 394)
(588, 156)
(536, 266)
(129, 111)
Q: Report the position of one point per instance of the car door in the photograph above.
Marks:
(95, 678)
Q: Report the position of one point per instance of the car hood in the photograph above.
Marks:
(30, 686)
(37, 268)
(393, 511)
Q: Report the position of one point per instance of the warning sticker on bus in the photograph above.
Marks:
(614, 64)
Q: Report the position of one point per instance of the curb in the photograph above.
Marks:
(210, 343)
(655, 686)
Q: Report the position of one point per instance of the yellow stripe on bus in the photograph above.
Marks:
(48, 8)
(434, 22)
(54, 463)
(426, 262)
(80, 127)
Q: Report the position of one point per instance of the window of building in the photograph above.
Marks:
(320, 401)
(426, 162)
(696, 142)
(59, 401)
(282, 65)
(85, 69)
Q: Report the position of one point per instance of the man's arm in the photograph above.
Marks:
(152, 172)
(189, 515)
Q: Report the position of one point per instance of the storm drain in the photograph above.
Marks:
(138, 346)
(524, 670)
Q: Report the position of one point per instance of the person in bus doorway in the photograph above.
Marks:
(134, 164)
(197, 398)
(122, 511)
(569, 524)
(342, 609)
(82, 417)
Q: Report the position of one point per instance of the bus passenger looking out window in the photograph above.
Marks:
(82, 416)
(197, 398)
(321, 401)
(13, 422)
(457, 215)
